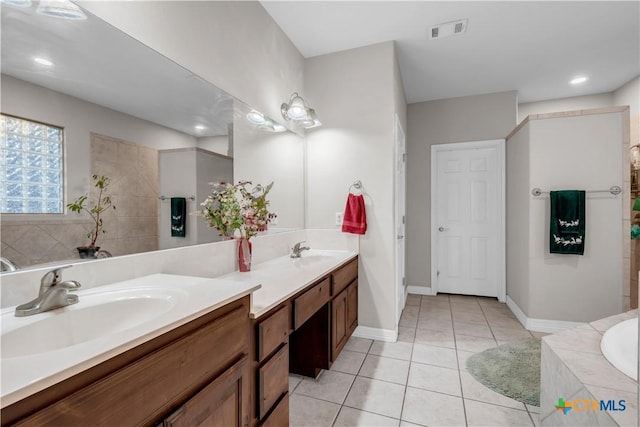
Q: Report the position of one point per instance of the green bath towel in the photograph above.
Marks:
(178, 217)
(566, 235)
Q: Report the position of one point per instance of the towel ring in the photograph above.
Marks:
(163, 197)
(357, 185)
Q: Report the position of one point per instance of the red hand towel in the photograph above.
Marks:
(355, 216)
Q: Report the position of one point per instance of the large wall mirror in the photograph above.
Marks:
(155, 129)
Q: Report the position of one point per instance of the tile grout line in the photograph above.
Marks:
(455, 344)
(406, 385)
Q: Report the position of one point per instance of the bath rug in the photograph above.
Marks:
(512, 370)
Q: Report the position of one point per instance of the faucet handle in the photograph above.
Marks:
(53, 277)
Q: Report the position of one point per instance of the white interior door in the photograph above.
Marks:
(400, 211)
(468, 218)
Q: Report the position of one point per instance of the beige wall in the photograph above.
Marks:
(471, 118)
(235, 45)
(354, 96)
(567, 151)
(518, 217)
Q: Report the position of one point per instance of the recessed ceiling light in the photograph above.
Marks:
(43, 61)
(578, 80)
(200, 127)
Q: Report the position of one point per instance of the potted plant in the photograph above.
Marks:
(94, 209)
(240, 212)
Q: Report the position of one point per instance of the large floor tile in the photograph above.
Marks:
(350, 417)
(462, 358)
(468, 316)
(385, 369)
(309, 412)
(437, 338)
(486, 414)
(406, 334)
(474, 344)
(473, 329)
(432, 409)
(413, 299)
(435, 378)
(380, 397)
(361, 345)
(472, 389)
(433, 355)
(294, 381)
(510, 334)
(436, 324)
(331, 386)
(395, 350)
(348, 362)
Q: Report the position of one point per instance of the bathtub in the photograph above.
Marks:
(619, 345)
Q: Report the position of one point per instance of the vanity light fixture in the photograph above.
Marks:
(64, 9)
(256, 117)
(43, 61)
(298, 111)
(578, 80)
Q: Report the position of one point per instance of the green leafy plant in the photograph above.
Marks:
(236, 207)
(96, 208)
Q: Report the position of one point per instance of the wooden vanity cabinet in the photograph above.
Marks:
(196, 374)
(344, 306)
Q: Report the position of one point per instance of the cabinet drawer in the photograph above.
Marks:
(308, 303)
(280, 415)
(273, 380)
(219, 404)
(272, 332)
(344, 276)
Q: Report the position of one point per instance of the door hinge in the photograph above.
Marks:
(437, 273)
(404, 157)
(403, 219)
(404, 281)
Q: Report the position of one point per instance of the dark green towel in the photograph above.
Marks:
(567, 229)
(178, 217)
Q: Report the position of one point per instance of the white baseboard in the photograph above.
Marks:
(388, 335)
(539, 325)
(421, 290)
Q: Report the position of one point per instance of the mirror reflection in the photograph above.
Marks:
(155, 129)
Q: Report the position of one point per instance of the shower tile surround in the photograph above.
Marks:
(573, 367)
(421, 380)
(131, 228)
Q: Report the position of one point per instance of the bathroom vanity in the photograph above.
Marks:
(225, 361)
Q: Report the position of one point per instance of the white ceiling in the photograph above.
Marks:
(532, 47)
(100, 64)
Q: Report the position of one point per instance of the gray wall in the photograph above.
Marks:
(235, 45)
(471, 118)
(355, 95)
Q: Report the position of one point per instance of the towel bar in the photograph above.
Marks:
(163, 197)
(615, 190)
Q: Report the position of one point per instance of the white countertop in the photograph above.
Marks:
(269, 284)
(189, 298)
(283, 277)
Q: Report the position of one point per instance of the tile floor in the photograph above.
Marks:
(421, 380)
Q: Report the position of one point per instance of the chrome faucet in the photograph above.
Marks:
(296, 250)
(53, 294)
(7, 265)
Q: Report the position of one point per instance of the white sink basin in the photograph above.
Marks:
(96, 315)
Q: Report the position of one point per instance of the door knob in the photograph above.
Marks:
(442, 229)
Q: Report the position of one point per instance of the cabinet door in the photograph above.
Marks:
(338, 324)
(220, 403)
(352, 308)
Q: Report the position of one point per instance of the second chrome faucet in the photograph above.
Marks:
(296, 250)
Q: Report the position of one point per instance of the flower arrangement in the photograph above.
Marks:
(236, 207)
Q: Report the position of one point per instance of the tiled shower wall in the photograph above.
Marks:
(131, 228)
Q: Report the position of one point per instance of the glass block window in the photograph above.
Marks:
(30, 166)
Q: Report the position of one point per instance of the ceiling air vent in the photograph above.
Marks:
(448, 29)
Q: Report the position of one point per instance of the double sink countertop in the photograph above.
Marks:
(41, 350)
